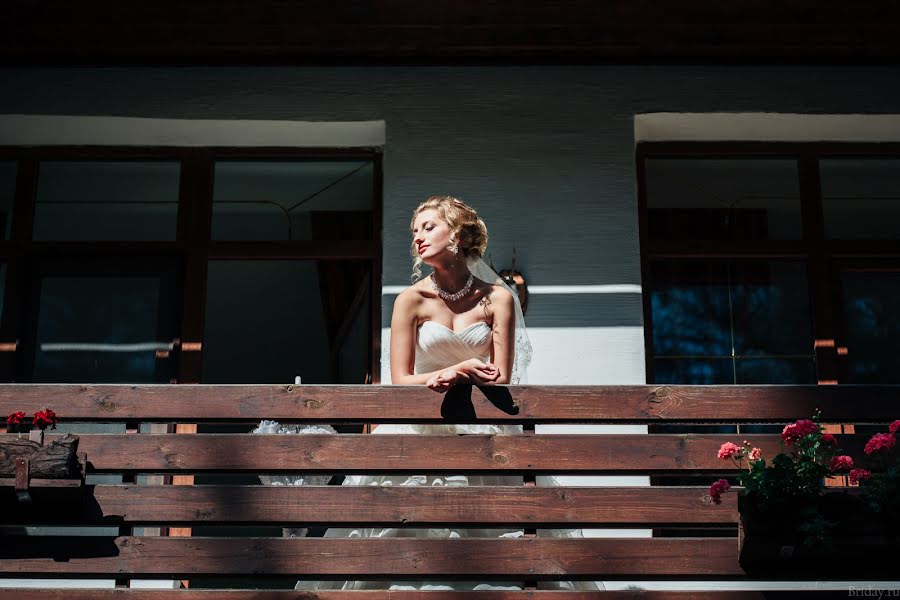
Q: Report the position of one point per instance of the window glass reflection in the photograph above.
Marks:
(101, 330)
(2, 288)
(107, 200)
(861, 198)
(300, 200)
(731, 322)
(287, 318)
(8, 172)
(872, 326)
(723, 199)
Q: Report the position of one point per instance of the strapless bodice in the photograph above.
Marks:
(438, 347)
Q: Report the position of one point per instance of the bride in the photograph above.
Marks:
(459, 325)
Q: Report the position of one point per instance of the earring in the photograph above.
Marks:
(453, 248)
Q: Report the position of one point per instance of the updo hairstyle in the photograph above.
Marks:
(467, 231)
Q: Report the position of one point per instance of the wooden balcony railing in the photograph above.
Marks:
(530, 559)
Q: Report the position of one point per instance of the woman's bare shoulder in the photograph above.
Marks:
(500, 295)
(414, 295)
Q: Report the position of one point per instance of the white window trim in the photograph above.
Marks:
(61, 130)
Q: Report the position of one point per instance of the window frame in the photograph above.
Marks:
(822, 256)
(192, 245)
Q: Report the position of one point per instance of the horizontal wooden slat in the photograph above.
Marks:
(44, 483)
(194, 594)
(374, 506)
(377, 404)
(358, 453)
(376, 558)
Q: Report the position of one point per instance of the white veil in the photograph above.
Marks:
(522, 345)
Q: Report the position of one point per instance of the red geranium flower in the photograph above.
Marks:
(717, 488)
(857, 475)
(894, 427)
(15, 418)
(841, 463)
(827, 438)
(44, 418)
(795, 431)
(880, 441)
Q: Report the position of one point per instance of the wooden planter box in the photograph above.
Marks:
(866, 543)
(28, 462)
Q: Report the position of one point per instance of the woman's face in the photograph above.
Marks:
(431, 236)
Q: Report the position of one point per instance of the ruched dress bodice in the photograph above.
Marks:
(438, 347)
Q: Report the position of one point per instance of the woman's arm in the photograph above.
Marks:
(504, 334)
(404, 322)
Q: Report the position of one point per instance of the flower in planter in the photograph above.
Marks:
(44, 418)
(15, 418)
(841, 463)
(880, 442)
(792, 481)
(857, 475)
(716, 489)
(15, 421)
(798, 430)
(727, 450)
(881, 486)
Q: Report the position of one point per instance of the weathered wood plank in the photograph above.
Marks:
(57, 459)
(378, 404)
(374, 558)
(193, 594)
(378, 506)
(638, 453)
(138, 594)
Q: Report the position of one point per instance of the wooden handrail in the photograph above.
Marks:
(407, 404)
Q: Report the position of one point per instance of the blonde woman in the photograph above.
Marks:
(459, 325)
(453, 326)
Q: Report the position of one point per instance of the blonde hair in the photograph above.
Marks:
(467, 231)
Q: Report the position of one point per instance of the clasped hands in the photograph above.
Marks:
(471, 371)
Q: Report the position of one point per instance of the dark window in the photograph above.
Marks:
(189, 265)
(731, 322)
(770, 262)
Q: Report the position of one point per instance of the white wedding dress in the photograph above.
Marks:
(437, 347)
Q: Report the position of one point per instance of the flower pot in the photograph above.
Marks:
(862, 542)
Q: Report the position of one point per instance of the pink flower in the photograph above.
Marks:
(717, 488)
(857, 475)
(880, 441)
(795, 431)
(841, 463)
(755, 454)
(894, 427)
(727, 450)
(827, 438)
